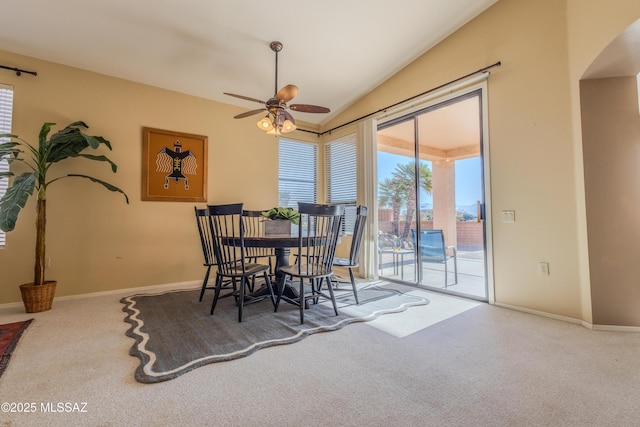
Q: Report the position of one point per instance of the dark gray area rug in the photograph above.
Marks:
(174, 332)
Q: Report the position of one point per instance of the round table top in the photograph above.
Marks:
(272, 241)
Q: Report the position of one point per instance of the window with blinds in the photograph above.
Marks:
(6, 110)
(297, 173)
(340, 164)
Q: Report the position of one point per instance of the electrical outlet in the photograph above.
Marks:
(47, 263)
(543, 268)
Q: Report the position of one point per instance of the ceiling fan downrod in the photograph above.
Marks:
(276, 47)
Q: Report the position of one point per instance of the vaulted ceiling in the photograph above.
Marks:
(335, 51)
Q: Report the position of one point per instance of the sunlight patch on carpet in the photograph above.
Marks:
(441, 307)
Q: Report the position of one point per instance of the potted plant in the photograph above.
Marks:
(66, 143)
(280, 220)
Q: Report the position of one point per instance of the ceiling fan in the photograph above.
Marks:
(278, 120)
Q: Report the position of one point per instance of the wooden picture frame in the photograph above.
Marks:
(174, 166)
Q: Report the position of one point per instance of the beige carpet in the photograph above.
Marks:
(486, 366)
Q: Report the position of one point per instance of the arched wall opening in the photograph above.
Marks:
(611, 154)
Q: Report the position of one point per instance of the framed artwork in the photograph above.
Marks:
(174, 166)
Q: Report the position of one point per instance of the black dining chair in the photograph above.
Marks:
(227, 232)
(354, 252)
(206, 240)
(253, 222)
(318, 232)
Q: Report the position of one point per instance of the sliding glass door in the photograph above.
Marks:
(430, 195)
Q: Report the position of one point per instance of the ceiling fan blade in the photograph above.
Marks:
(305, 108)
(244, 97)
(249, 113)
(287, 93)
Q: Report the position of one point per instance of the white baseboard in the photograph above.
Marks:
(540, 313)
(150, 288)
(615, 328)
(610, 328)
(197, 283)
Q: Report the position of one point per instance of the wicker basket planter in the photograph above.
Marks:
(38, 298)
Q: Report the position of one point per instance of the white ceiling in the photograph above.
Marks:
(448, 131)
(335, 51)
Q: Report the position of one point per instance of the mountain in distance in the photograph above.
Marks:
(470, 209)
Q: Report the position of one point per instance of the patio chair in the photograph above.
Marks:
(433, 250)
(318, 232)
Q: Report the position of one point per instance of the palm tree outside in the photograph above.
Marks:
(390, 195)
(400, 191)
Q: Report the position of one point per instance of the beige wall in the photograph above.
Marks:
(534, 135)
(529, 139)
(96, 242)
(611, 146)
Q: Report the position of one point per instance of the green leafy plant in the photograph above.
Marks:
(283, 213)
(66, 143)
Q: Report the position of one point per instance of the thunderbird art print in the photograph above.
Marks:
(174, 166)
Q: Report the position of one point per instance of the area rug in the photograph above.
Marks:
(175, 334)
(10, 334)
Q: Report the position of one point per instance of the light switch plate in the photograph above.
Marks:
(509, 216)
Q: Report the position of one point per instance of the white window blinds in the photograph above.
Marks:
(6, 109)
(341, 170)
(340, 163)
(297, 173)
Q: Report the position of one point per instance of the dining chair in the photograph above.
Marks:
(206, 240)
(318, 232)
(354, 252)
(253, 222)
(433, 250)
(227, 231)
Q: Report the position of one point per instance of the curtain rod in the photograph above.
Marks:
(482, 70)
(18, 70)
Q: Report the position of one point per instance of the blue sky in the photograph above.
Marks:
(468, 177)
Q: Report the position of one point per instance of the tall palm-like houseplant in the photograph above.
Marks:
(64, 144)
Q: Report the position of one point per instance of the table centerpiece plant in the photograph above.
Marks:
(67, 143)
(280, 220)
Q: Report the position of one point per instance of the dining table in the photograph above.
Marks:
(282, 244)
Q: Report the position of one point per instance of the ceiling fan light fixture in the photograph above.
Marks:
(288, 126)
(265, 124)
